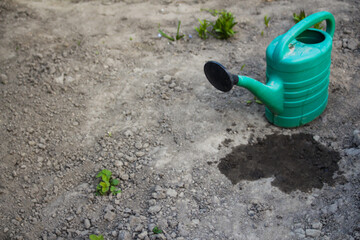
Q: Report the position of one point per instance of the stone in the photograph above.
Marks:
(171, 192)
(109, 208)
(118, 163)
(134, 221)
(87, 223)
(316, 225)
(110, 216)
(3, 79)
(352, 151)
(356, 137)
(142, 235)
(313, 233)
(353, 44)
(154, 209)
(333, 208)
(167, 78)
(316, 138)
(139, 154)
(124, 235)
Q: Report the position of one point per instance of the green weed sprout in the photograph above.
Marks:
(202, 29)
(177, 37)
(297, 18)
(222, 29)
(96, 237)
(108, 184)
(267, 20)
(157, 230)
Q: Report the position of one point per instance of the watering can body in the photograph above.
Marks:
(297, 73)
(301, 60)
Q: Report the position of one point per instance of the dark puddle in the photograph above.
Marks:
(296, 162)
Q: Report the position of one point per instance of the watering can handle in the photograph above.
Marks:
(282, 46)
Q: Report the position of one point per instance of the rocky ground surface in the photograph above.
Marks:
(88, 85)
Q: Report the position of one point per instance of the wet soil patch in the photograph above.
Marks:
(296, 162)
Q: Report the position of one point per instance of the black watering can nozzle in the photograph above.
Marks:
(219, 77)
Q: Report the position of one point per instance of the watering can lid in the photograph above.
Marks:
(302, 47)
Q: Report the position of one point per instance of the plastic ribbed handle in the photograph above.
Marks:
(282, 47)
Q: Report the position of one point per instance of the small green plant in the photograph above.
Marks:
(157, 230)
(242, 67)
(177, 37)
(297, 18)
(96, 237)
(108, 184)
(109, 134)
(262, 33)
(202, 29)
(222, 28)
(258, 101)
(267, 20)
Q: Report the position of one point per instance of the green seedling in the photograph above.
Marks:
(131, 38)
(177, 37)
(108, 184)
(96, 237)
(203, 29)
(157, 230)
(223, 27)
(242, 67)
(297, 18)
(262, 33)
(258, 101)
(267, 20)
(109, 134)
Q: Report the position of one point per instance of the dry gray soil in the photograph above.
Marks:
(87, 85)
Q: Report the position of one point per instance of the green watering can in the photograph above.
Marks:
(297, 73)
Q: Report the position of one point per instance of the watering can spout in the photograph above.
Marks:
(271, 93)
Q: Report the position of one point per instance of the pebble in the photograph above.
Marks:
(316, 225)
(352, 151)
(3, 79)
(138, 145)
(333, 207)
(110, 216)
(154, 209)
(143, 235)
(6, 230)
(171, 192)
(124, 176)
(312, 233)
(139, 154)
(87, 223)
(118, 163)
(124, 235)
(167, 78)
(114, 233)
(316, 138)
(352, 44)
